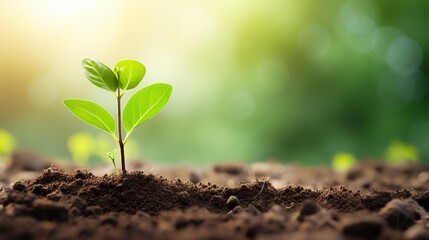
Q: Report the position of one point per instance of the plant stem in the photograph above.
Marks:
(120, 142)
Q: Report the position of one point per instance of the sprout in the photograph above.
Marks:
(343, 161)
(111, 155)
(7, 142)
(399, 152)
(142, 106)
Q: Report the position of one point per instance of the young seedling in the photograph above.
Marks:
(143, 105)
(111, 156)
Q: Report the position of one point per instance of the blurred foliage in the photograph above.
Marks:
(88, 150)
(399, 152)
(7, 143)
(290, 80)
(81, 146)
(343, 161)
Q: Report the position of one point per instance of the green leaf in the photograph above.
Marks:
(145, 104)
(92, 113)
(130, 73)
(100, 75)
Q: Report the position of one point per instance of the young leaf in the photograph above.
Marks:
(130, 73)
(145, 104)
(92, 113)
(99, 74)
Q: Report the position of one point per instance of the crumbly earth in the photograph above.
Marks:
(229, 201)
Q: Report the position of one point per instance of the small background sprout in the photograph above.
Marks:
(7, 142)
(111, 156)
(399, 152)
(343, 161)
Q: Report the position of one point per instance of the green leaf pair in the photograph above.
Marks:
(143, 105)
(128, 74)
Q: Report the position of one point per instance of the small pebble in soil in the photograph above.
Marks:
(252, 210)
(401, 214)
(19, 185)
(232, 202)
(236, 210)
(423, 177)
(308, 208)
(367, 228)
(230, 168)
(354, 174)
(93, 211)
(194, 177)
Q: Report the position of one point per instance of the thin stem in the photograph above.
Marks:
(127, 136)
(120, 142)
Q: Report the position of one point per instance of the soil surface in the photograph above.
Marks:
(229, 201)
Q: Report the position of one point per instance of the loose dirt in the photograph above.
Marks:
(229, 201)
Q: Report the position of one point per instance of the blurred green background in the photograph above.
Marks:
(295, 81)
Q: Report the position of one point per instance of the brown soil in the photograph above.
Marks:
(371, 201)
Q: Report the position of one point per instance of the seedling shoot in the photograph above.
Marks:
(142, 106)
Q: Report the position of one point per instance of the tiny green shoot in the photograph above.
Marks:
(111, 155)
(7, 142)
(142, 106)
(343, 161)
(400, 152)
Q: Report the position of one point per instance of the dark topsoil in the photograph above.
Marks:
(371, 201)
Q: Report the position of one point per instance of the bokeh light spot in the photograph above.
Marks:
(381, 39)
(404, 55)
(315, 41)
(343, 161)
(81, 145)
(359, 24)
(7, 142)
(398, 152)
(356, 7)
